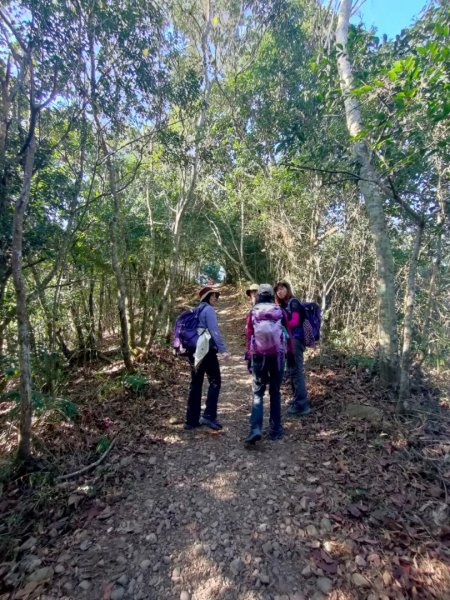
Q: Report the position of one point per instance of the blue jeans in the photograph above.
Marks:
(210, 366)
(297, 374)
(267, 370)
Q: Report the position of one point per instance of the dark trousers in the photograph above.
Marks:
(267, 370)
(297, 373)
(210, 366)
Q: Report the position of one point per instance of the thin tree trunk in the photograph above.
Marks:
(371, 191)
(91, 324)
(24, 447)
(77, 324)
(131, 319)
(117, 268)
(437, 259)
(405, 363)
(101, 309)
(43, 302)
(144, 288)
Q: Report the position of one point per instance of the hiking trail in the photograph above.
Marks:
(195, 515)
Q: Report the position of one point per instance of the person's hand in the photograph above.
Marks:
(225, 355)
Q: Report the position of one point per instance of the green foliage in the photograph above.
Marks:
(44, 404)
(362, 362)
(136, 382)
(103, 444)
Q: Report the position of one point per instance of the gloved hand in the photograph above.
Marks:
(290, 360)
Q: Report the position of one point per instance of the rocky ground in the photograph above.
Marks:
(341, 508)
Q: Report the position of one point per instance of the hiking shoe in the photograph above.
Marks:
(253, 437)
(189, 427)
(211, 423)
(294, 412)
(276, 435)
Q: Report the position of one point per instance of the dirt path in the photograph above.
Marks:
(196, 515)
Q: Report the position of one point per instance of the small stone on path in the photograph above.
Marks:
(29, 544)
(236, 566)
(360, 581)
(117, 593)
(85, 584)
(42, 574)
(123, 580)
(325, 585)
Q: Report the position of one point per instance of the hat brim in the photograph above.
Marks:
(208, 293)
(250, 290)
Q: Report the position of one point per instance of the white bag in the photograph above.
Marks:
(202, 347)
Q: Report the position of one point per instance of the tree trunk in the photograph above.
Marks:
(77, 324)
(101, 309)
(371, 191)
(408, 322)
(144, 288)
(91, 323)
(121, 287)
(131, 319)
(24, 448)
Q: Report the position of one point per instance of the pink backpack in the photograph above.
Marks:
(268, 336)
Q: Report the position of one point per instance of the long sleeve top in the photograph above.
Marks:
(208, 319)
(249, 331)
(296, 317)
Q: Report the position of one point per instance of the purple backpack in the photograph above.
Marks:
(314, 319)
(268, 336)
(185, 334)
(311, 325)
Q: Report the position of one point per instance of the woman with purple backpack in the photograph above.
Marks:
(266, 346)
(299, 406)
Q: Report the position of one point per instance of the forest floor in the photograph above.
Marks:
(351, 504)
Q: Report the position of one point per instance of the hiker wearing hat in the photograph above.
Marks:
(299, 407)
(251, 293)
(209, 364)
(266, 344)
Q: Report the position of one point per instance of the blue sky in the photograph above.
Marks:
(390, 16)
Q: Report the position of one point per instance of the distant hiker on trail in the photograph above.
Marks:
(299, 406)
(251, 292)
(266, 344)
(208, 363)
